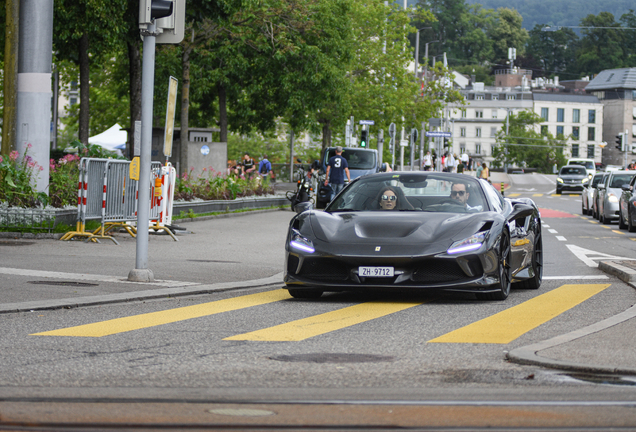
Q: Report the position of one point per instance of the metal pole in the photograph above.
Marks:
(141, 272)
(423, 132)
(417, 52)
(56, 95)
(33, 119)
(291, 156)
(506, 146)
(426, 64)
(10, 75)
(380, 147)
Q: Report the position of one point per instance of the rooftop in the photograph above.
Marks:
(565, 97)
(614, 79)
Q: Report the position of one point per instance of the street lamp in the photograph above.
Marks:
(417, 49)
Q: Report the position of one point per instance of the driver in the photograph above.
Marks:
(460, 194)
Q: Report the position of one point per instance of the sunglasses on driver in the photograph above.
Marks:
(456, 193)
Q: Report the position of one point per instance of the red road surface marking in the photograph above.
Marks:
(547, 213)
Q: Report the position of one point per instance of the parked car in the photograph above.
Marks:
(595, 194)
(361, 161)
(588, 194)
(609, 194)
(627, 207)
(572, 177)
(415, 231)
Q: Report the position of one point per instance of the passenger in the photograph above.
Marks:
(388, 198)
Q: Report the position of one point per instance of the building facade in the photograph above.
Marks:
(576, 118)
(616, 89)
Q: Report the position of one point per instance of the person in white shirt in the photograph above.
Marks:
(428, 161)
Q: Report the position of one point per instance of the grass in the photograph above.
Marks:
(191, 215)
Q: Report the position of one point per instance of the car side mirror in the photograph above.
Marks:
(600, 186)
(626, 187)
(521, 211)
(303, 207)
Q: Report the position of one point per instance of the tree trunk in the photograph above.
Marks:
(223, 112)
(84, 89)
(134, 68)
(185, 107)
(326, 135)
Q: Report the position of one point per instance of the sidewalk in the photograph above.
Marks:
(606, 347)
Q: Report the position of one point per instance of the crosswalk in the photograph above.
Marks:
(500, 328)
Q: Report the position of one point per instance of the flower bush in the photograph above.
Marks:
(63, 180)
(17, 181)
(214, 185)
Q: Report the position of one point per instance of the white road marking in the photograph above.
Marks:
(553, 231)
(561, 238)
(90, 277)
(546, 226)
(588, 256)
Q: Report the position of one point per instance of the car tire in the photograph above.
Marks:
(621, 223)
(537, 267)
(583, 210)
(304, 293)
(558, 192)
(503, 287)
(630, 226)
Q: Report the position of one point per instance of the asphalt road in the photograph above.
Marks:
(257, 358)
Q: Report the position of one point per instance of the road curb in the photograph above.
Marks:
(75, 302)
(625, 274)
(529, 354)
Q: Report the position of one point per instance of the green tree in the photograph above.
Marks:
(600, 48)
(508, 32)
(629, 36)
(556, 50)
(525, 147)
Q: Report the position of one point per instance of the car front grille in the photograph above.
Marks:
(438, 270)
(324, 269)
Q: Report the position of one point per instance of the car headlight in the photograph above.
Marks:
(301, 243)
(469, 244)
(585, 180)
(612, 198)
(559, 179)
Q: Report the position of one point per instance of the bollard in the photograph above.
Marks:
(502, 188)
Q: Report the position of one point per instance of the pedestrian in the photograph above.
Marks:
(460, 167)
(428, 161)
(479, 170)
(249, 165)
(443, 162)
(337, 167)
(465, 160)
(485, 172)
(265, 168)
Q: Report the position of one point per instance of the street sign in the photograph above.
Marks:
(439, 134)
(367, 122)
(392, 130)
(404, 143)
(435, 122)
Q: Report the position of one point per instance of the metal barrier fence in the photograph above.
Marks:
(106, 192)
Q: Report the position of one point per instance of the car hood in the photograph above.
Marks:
(573, 176)
(400, 228)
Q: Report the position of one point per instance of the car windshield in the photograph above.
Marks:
(596, 180)
(620, 179)
(436, 192)
(356, 158)
(573, 171)
(587, 164)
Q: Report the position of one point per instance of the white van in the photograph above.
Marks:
(589, 165)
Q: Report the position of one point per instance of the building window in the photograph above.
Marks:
(479, 114)
(575, 150)
(477, 148)
(462, 131)
(462, 148)
(576, 133)
(479, 97)
(73, 86)
(495, 97)
(545, 114)
(463, 113)
(493, 131)
(495, 113)
(591, 116)
(511, 97)
(560, 115)
(633, 94)
(591, 132)
(590, 151)
(576, 116)
(560, 132)
(477, 132)
(72, 101)
(544, 130)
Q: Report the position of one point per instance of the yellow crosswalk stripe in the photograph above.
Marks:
(508, 325)
(619, 232)
(324, 323)
(136, 322)
(514, 195)
(537, 195)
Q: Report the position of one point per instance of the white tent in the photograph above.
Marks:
(111, 139)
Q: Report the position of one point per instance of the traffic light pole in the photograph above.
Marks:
(141, 272)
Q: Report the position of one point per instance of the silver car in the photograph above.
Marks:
(596, 194)
(587, 203)
(610, 193)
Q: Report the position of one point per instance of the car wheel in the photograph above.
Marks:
(558, 191)
(601, 218)
(583, 210)
(630, 226)
(304, 293)
(504, 272)
(537, 267)
(621, 223)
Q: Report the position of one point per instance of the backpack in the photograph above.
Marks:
(264, 169)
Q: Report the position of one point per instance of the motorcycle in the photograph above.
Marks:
(304, 189)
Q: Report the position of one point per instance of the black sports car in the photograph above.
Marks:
(415, 230)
